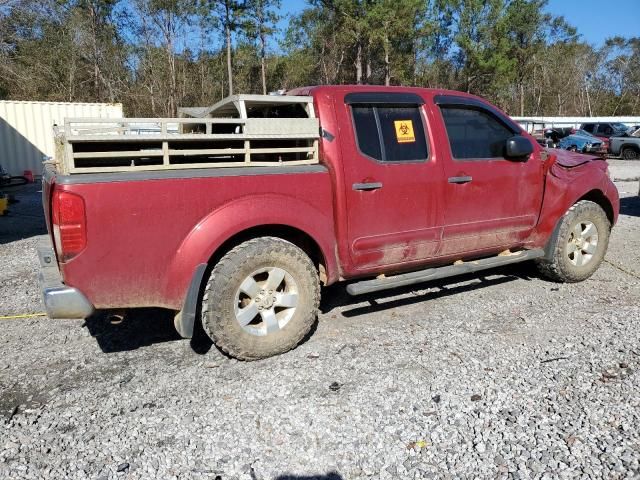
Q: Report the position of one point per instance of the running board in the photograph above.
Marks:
(404, 279)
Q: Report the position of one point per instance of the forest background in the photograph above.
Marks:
(154, 56)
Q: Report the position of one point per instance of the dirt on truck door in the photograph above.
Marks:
(490, 200)
(391, 179)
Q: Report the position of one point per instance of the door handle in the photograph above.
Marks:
(367, 186)
(460, 179)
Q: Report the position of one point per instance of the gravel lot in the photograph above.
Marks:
(500, 375)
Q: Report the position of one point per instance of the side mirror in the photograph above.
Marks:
(518, 148)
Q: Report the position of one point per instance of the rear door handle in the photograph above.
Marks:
(460, 179)
(367, 186)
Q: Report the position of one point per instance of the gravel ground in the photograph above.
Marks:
(500, 375)
(625, 170)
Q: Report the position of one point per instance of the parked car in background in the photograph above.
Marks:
(545, 136)
(537, 130)
(555, 134)
(604, 130)
(626, 145)
(581, 141)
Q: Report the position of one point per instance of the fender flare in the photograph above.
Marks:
(602, 192)
(188, 265)
(561, 192)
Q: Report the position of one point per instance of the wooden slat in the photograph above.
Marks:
(96, 130)
(141, 168)
(155, 121)
(186, 152)
(207, 151)
(283, 150)
(187, 136)
(165, 153)
(127, 154)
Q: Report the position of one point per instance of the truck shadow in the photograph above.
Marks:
(630, 206)
(336, 296)
(148, 326)
(141, 328)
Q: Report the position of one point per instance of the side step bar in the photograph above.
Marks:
(404, 279)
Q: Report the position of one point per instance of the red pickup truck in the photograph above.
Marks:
(398, 186)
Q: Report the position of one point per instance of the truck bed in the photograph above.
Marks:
(179, 208)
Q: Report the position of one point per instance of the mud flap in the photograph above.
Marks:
(549, 248)
(185, 319)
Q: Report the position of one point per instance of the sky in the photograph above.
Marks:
(595, 20)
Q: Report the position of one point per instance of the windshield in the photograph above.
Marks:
(619, 127)
(582, 133)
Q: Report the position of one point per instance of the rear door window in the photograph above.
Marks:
(474, 133)
(367, 131)
(390, 133)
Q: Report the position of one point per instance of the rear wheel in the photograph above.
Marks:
(261, 299)
(580, 245)
(629, 153)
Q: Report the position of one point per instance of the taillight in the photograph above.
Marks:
(69, 224)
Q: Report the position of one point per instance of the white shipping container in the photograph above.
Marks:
(26, 129)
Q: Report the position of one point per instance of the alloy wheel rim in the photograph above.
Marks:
(582, 243)
(265, 301)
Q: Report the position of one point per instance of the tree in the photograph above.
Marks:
(157, 55)
(97, 36)
(228, 15)
(262, 21)
(316, 50)
(621, 68)
(160, 24)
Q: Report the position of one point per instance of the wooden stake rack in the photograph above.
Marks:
(94, 145)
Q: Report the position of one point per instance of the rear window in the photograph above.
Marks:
(604, 129)
(390, 133)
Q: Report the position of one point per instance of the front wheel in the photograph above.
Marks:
(630, 154)
(580, 245)
(261, 299)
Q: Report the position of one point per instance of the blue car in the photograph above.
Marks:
(581, 141)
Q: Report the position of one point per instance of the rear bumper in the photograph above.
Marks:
(60, 300)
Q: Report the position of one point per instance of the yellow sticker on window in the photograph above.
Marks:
(404, 131)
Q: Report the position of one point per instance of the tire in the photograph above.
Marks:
(629, 153)
(261, 299)
(573, 148)
(576, 256)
